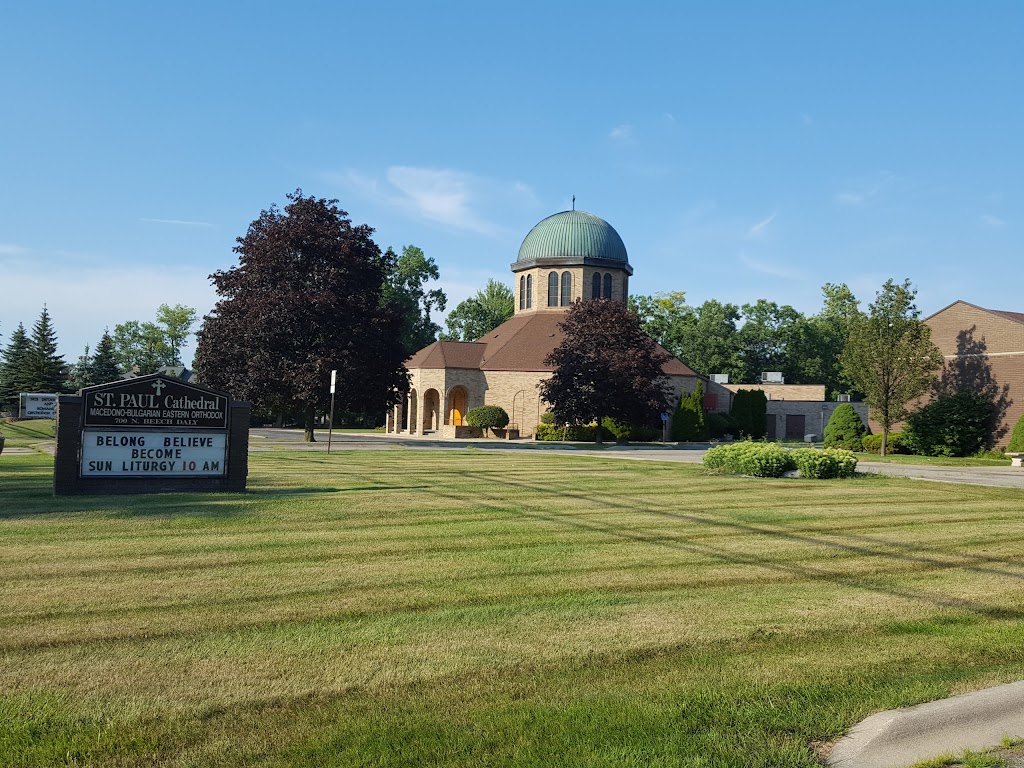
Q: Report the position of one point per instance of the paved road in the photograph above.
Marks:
(1005, 477)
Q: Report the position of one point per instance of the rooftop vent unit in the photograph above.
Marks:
(720, 378)
(772, 377)
(843, 398)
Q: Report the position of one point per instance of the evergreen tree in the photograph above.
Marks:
(688, 422)
(845, 429)
(750, 409)
(104, 360)
(80, 374)
(13, 379)
(45, 370)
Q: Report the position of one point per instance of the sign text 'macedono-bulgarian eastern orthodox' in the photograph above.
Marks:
(158, 403)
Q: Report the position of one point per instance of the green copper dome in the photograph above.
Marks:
(573, 235)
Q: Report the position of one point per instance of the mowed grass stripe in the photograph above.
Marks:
(466, 608)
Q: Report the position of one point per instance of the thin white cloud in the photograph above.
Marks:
(9, 249)
(806, 119)
(769, 268)
(993, 222)
(670, 118)
(621, 133)
(447, 197)
(179, 222)
(758, 229)
(864, 191)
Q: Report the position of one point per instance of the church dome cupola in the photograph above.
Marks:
(567, 257)
(573, 236)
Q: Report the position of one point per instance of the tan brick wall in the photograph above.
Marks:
(581, 284)
(816, 414)
(1003, 343)
(815, 392)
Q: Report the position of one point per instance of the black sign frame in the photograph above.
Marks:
(154, 401)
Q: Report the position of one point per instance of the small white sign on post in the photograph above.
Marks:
(334, 379)
(36, 405)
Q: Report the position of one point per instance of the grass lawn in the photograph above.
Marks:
(27, 432)
(942, 461)
(463, 608)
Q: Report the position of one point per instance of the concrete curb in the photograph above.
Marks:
(899, 738)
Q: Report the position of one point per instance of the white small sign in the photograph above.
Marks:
(106, 453)
(35, 405)
(334, 378)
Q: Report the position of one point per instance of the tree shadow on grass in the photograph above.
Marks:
(851, 544)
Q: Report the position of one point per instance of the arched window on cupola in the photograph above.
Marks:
(566, 288)
(595, 292)
(522, 293)
(552, 289)
(529, 291)
(607, 285)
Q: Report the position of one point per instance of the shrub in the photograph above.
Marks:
(749, 458)
(1017, 437)
(873, 443)
(487, 417)
(618, 429)
(826, 464)
(750, 411)
(956, 425)
(547, 418)
(721, 424)
(582, 433)
(845, 429)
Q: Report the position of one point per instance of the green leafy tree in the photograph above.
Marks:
(44, 369)
(175, 324)
(13, 369)
(768, 340)
(605, 366)
(889, 355)
(104, 361)
(845, 429)
(406, 291)
(306, 297)
(704, 337)
(487, 417)
(145, 346)
(480, 314)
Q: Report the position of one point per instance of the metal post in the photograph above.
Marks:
(330, 427)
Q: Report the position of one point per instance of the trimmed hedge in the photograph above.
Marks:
(587, 433)
(845, 429)
(750, 411)
(873, 443)
(721, 424)
(826, 464)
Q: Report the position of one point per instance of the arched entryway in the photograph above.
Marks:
(431, 410)
(457, 403)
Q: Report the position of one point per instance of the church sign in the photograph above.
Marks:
(149, 434)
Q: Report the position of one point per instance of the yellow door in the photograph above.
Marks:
(458, 406)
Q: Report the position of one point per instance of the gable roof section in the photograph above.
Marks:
(448, 354)
(1017, 317)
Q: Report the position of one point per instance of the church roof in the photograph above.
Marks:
(448, 354)
(519, 344)
(573, 235)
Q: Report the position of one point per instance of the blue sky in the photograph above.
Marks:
(742, 150)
